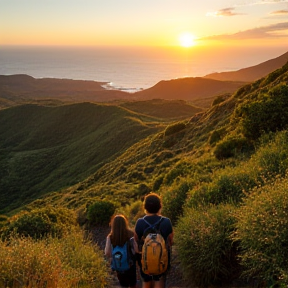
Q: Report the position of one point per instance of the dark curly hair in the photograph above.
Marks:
(152, 203)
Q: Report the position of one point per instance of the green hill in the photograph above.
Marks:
(47, 148)
(221, 173)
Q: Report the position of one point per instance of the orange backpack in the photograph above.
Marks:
(154, 251)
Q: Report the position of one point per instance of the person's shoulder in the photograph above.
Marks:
(166, 220)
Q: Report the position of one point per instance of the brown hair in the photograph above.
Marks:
(120, 231)
(152, 203)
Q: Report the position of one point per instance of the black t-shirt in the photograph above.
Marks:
(165, 225)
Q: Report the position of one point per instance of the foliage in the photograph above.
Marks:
(269, 112)
(262, 231)
(174, 128)
(206, 252)
(63, 263)
(173, 199)
(40, 222)
(232, 147)
(100, 212)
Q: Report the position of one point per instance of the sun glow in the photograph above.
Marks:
(186, 39)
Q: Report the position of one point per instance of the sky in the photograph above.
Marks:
(143, 23)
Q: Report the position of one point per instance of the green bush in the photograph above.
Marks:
(174, 128)
(68, 262)
(262, 231)
(206, 252)
(272, 157)
(231, 147)
(269, 112)
(173, 199)
(229, 186)
(40, 222)
(100, 212)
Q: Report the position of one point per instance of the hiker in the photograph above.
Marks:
(121, 237)
(157, 224)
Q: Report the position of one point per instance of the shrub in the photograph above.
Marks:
(268, 113)
(229, 186)
(205, 249)
(262, 230)
(173, 200)
(40, 222)
(51, 262)
(100, 212)
(174, 128)
(232, 146)
(272, 157)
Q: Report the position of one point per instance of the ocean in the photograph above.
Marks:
(128, 68)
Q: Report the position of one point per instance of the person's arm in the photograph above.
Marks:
(170, 239)
(107, 250)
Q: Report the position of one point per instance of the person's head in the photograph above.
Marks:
(152, 203)
(119, 230)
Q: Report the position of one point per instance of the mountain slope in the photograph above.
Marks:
(164, 109)
(252, 73)
(188, 89)
(162, 157)
(47, 148)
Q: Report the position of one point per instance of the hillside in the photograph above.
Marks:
(163, 109)
(252, 73)
(47, 148)
(222, 176)
(188, 89)
(19, 89)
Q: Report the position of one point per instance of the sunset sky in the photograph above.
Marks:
(138, 23)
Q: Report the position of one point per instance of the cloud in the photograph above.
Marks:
(272, 31)
(263, 2)
(223, 12)
(279, 12)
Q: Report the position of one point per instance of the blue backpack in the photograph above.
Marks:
(122, 257)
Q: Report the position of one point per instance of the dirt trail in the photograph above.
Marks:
(174, 278)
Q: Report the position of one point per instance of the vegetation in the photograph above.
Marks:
(51, 262)
(222, 175)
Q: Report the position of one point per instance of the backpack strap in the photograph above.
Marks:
(152, 226)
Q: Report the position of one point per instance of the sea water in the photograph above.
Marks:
(127, 68)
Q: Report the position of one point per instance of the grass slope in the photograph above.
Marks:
(163, 109)
(162, 157)
(47, 148)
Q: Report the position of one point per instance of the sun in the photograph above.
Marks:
(186, 39)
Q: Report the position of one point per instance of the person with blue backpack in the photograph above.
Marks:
(154, 235)
(120, 248)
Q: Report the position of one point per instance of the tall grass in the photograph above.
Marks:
(205, 249)
(51, 262)
(262, 231)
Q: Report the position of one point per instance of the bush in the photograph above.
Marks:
(100, 212)
(174, 128)
(40, 222)
(51, 262)
(262, 230)
(206, 252)
(268, 113)
(173, 200)
(231, 147)
(272, 157)
(229, 186)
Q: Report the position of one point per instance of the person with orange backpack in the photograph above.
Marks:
(154, 235)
